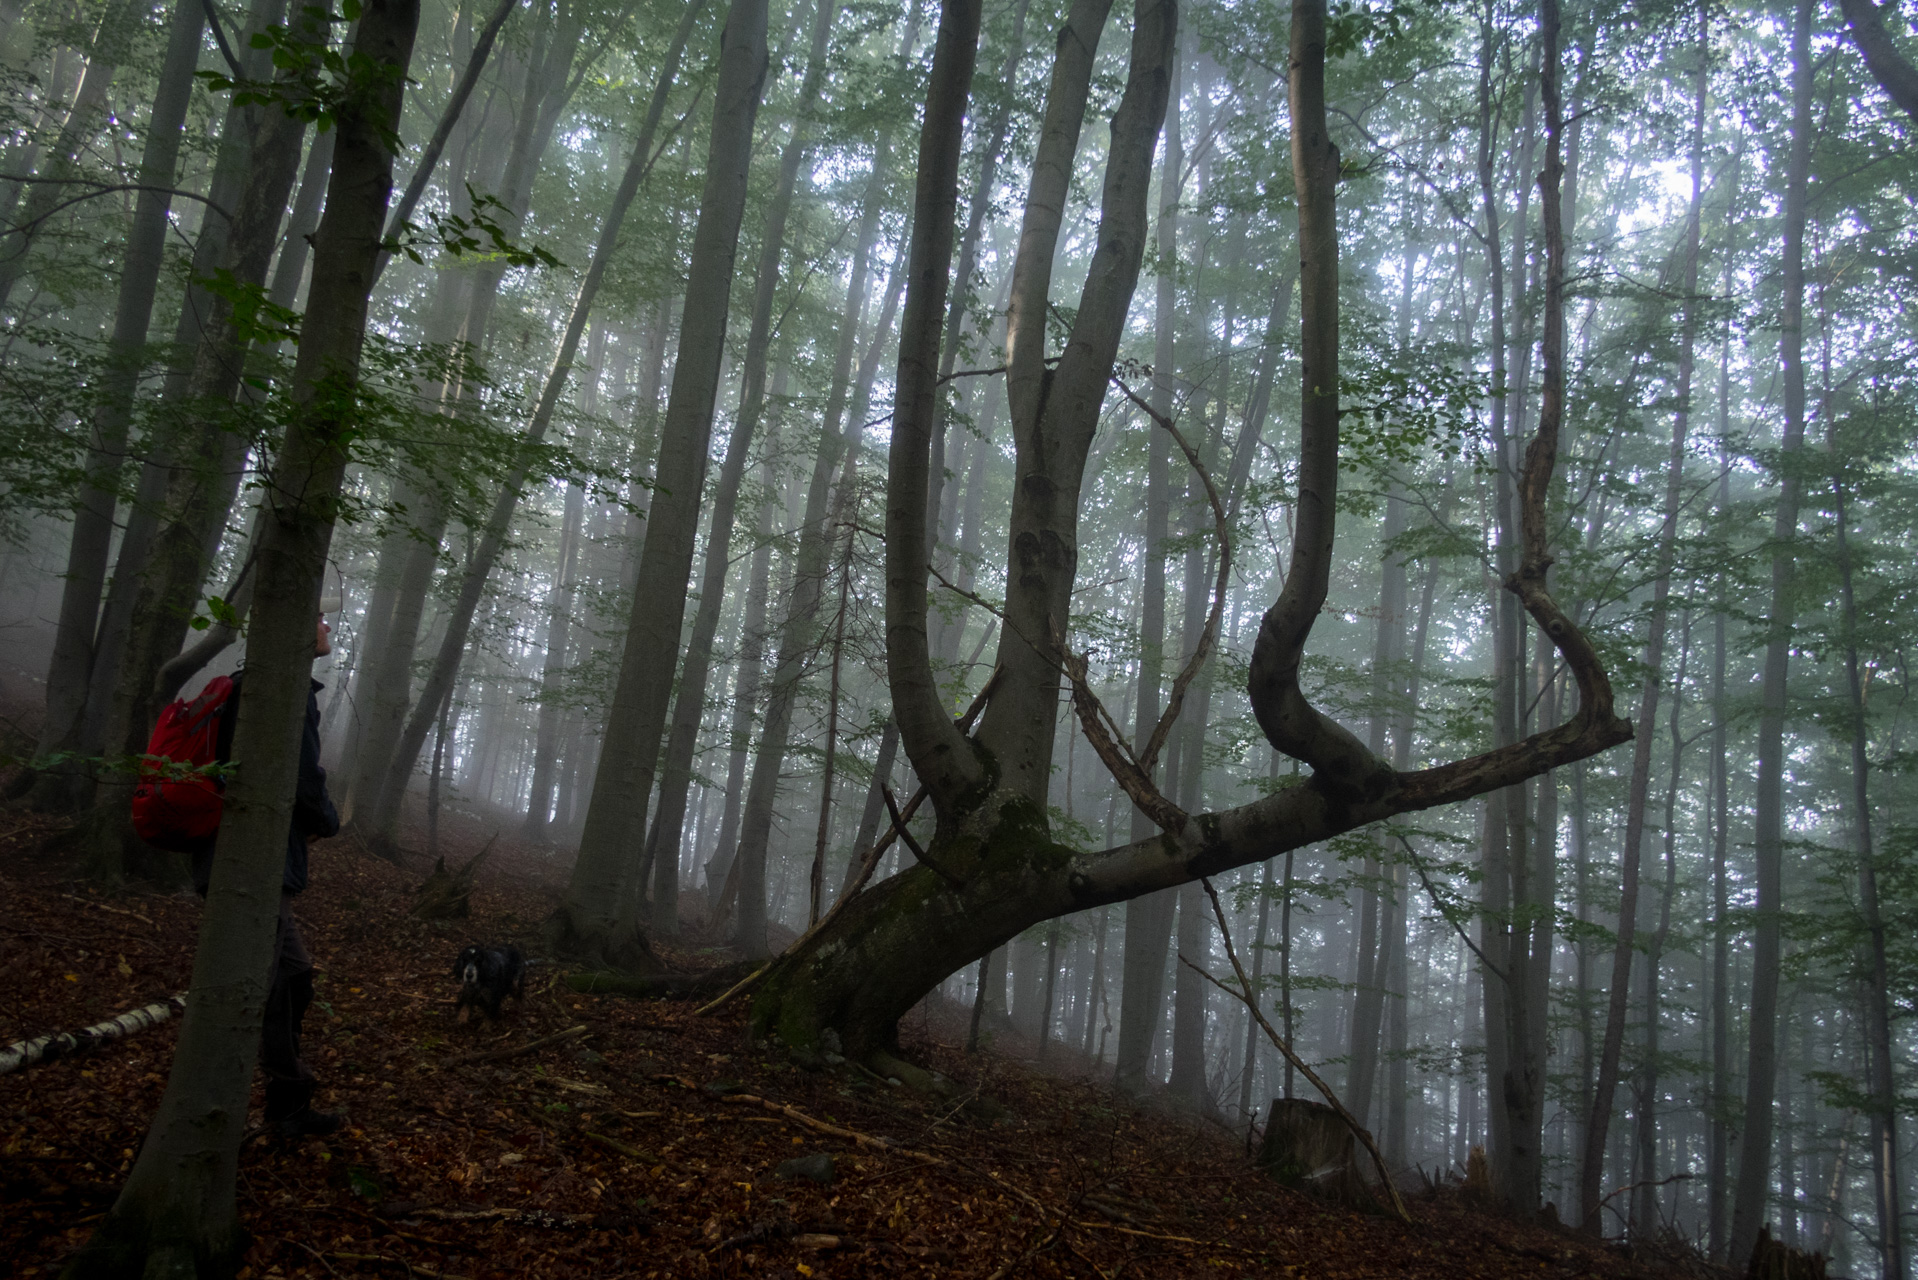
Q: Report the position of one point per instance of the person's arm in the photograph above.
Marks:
(313, 811)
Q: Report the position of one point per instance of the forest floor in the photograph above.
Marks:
(647, 1144)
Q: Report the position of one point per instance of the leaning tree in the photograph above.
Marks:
(992, 867)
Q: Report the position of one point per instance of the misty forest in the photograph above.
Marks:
(994, 529)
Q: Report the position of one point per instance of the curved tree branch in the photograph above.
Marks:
(940, 753)
(1208, 637)
(1291, 724)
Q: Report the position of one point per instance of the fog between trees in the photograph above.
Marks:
(713, 325)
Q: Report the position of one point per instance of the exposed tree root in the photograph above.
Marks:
(622, 950)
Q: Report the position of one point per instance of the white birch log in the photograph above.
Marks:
(22, 1054)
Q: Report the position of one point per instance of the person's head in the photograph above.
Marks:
(330, 602)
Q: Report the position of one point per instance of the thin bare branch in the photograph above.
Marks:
(1209, 636)
(1246, 995)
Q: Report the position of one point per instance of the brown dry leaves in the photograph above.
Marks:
(613, 1153)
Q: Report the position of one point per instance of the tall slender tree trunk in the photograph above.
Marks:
(809, 570)
(748, 670)
(172, 435)
(1752, 1192)
(1643, 1217)
(559, 622)
(112, 44)
(1186, 779)
(1149, 919)
(977, 211)
(376, 803)
(1719, 1135)
(615, 816)
(1494, 832)
(1639, 786)
(71, 664)
(1248, 1069)
(689, 705)
(202, 479)
(1880, 1077)
(177, 1214)
(386, 811)
(1373, 958)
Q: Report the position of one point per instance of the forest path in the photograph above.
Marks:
(617, 1153)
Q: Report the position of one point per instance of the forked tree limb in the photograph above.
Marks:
(1249, 999)
(940, 754)
(1340, 763)
(918, 851)
(1102, 732)
(1109, 745)
(1342, 766)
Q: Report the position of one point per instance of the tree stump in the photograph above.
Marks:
(446, 895)
(1776, 1260)
(1478, 1178)
(1308, 1147)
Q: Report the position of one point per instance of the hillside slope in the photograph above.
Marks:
(647, 1144)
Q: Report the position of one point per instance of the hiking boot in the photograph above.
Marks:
(306, 1121)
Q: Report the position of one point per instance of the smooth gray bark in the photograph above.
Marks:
(809, 570)
(70, 666)
(1751, 1194)
(607, 869)
(689, 705)
(173, 433)
(1149, 921)
(386, 811)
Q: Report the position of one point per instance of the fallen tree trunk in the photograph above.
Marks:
(22, 1054)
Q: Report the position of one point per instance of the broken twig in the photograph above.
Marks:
(498, 1055)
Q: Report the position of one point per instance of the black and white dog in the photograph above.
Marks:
(489, 974)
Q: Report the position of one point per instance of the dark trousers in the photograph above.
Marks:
(289, 1082)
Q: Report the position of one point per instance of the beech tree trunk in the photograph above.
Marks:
(73, 645)
(384, 824)
(559, 623)
(177, 1214)
(202, 474)
(1881, 1079)
(1598, 1121)
(1751, 1195)
(172, 435)
(809, 571)
(616, 814)
(689, 705)
(1149, 920)
(747, 673)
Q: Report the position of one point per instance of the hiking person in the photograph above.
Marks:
(290, 1084)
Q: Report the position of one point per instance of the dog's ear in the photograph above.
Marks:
(459, 962)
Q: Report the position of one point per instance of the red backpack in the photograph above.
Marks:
(172, 808)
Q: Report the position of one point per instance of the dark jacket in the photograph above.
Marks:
(313, 811)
